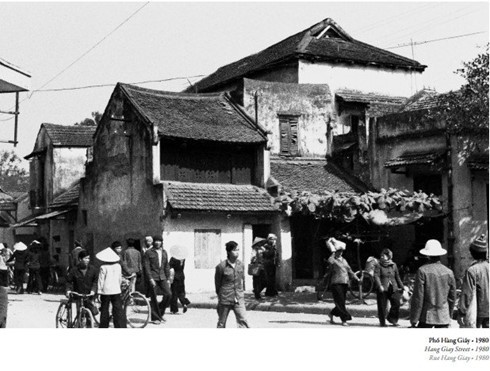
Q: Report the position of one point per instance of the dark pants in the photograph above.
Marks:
(118, 316)
(428, 325)
(382, 301)
(178, 293)
(270, 272)
(240, 314)
(339, 291)
(4, 301)
(35, 284)
(19, 279)
(259, 283)
(158, 309)
(45, 273)
(482, 322)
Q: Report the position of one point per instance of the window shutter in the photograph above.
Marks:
(288, 126)
(293, 145)
(284, 132)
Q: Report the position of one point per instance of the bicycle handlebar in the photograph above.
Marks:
(83, 296)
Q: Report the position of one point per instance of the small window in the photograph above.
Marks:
(84, 216)
(288, 131)
(207, 248)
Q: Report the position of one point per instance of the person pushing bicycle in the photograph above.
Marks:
(82, 279)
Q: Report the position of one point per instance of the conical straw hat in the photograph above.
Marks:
(20, 246)
(107, 256)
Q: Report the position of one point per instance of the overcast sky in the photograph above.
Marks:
(167, 40)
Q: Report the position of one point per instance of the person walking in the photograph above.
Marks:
(4, 285)
(109, 289)
(434, 293)
(45, 263)
(19, 257)
(157, 271)
(473, 302)
(229, 281)
(33, 264)
(389, 287)
(131, 262)
(339, 272)
(270, 259)
(178, 286)
(259, 280)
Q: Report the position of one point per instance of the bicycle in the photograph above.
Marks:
(135, 305)
(83, 318)
(364, 287)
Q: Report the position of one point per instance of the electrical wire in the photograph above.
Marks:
(434, 40)
(90, 49)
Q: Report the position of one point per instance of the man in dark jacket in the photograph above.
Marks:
(131, 262)
(157, 271)
(434, 293)
(82, 279)
(229, 282)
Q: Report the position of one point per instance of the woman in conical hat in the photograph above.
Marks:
(109, 289)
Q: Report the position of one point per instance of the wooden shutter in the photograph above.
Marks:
(288, 126)
(207, 248)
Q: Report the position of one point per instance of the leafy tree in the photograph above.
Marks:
(94, 121)
(13, 177)
(466, 110)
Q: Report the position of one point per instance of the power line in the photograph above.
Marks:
(433, 40)
(106, 85)
(92, 48)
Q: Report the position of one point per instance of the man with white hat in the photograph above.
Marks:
(473, 303)
(434, 294)
(20, 258)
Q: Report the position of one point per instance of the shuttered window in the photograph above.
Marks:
(207, 248)
(288, 126)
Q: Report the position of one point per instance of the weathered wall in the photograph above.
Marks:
(117, 195)
(367, 79)
(68, 167)
(311, 102)
(180, 232)
(470, 206)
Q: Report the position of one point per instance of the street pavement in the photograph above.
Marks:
(288, 310)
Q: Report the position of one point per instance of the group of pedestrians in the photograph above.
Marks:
(149, 268)
(434, 295)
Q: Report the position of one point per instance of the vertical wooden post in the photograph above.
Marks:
(16, 117)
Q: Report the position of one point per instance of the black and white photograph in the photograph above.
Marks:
(311, 177)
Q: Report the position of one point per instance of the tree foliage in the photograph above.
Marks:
(13, 177)
(342, 207)
(94, 121)
(466, 110)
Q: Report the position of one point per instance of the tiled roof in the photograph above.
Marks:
(67, 198)
(7, 202)
(424, 99)
(314, 176)
(210, 117)
(349, 95)
(70, 136)
(426, 158)
(309, 44)
(217, 197)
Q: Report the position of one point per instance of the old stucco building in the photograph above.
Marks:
(413, 151)
(314, 93)
(185, 166)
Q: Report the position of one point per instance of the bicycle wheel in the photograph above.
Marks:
(62, 316)
(367, 283)
(86, 320)
(137, 309)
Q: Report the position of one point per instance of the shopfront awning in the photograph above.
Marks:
(52, 214)
(31, 221)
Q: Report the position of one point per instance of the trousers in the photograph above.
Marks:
(240, 314)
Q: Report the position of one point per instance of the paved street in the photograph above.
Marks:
(34, 311)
